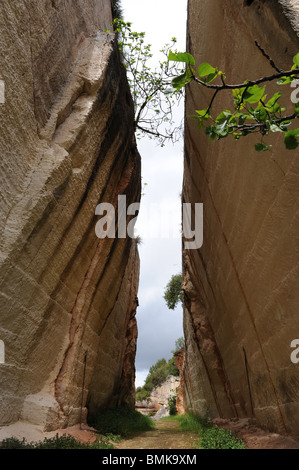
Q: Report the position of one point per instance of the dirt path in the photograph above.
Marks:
(165, 435)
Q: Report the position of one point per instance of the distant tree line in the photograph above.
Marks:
(158, 373)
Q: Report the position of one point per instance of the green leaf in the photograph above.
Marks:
(182, 80)
(273, 100)
(211, 77)
(285, 80)
(224, 116)
(296, 60)
(291, 142)
(253, 94)
(293, 132)
(210, 131)
(261, 114)
(202, 113)
(261, 147)
(206, 69)
(181, 57)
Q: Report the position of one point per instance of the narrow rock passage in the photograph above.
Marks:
(165, 435)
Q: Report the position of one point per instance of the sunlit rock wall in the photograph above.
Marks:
(241, 287)
(67, 144)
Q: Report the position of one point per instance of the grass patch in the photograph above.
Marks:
(120, 421)
(57, 442)
(210, 437)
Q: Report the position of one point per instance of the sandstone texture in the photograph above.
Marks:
(181, 398)
(241, 287)
(67, 298)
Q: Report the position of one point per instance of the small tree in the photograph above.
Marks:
(173, 293)
(179, 344)
(153, 94)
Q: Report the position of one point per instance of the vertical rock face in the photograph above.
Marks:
(241, 287)
(67, 299)
(181, 399)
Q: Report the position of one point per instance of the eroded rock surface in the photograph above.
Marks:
(67, 144)
(241, 287)
(159, 396)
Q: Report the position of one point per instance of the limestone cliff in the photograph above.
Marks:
(241, 287)
(67, 299)
(159, 396)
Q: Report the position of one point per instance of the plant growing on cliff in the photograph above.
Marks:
(253, 111)
(157, 374)
(153, 95)
(116, 9)
(173, 294)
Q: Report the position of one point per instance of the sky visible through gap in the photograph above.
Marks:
(162, 171)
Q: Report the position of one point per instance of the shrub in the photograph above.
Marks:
(120, 421)
(210, 437)
(57, 442)
(142, 394)
(172, 405)
(216, 438)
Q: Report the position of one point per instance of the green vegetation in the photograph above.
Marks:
(153, 95)
(173, 294)
(159, 372)
(58, 442)
(172, 404)
(116, 9)
(210, 437)
(253, 111)
(120, 421)
(138, 239)
(156, 91)
(179, 344)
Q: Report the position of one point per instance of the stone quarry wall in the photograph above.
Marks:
(241, 287)
(67, 144)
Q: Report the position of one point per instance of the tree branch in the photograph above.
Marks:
(268, 78)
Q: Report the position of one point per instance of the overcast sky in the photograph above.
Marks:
(162, 170)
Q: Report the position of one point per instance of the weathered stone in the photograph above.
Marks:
(181, 399)
(241, 287)
(159, 396)
(67, 144)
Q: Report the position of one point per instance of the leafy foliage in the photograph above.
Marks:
(210, 437)
(254, 111)
(157, 374)
(173, 293)
(172, 404)
(179, 344)
(214, 437)
(116, 9)
(58, 442)
(153, 95)
(120, 421)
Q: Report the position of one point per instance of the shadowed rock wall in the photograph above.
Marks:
(241, 287)
(67, 144)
